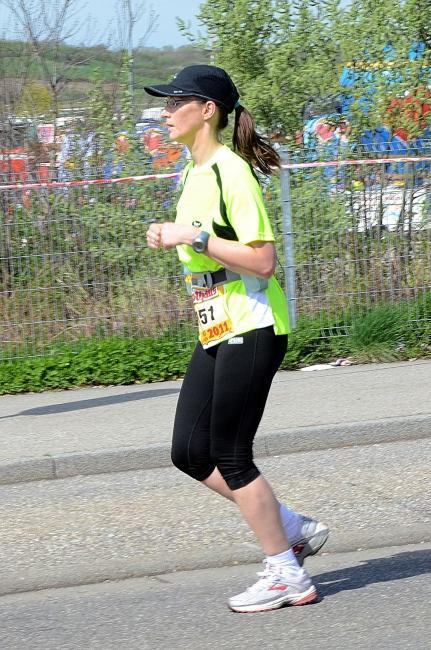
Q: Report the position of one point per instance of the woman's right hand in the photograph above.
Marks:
(154, 239)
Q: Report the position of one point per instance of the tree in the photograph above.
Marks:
(285, 55)
(281, 54)
(45, 25)
(129, 14)
(35, 99)
(304, 67)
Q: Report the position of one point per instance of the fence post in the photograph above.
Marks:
(288, 243)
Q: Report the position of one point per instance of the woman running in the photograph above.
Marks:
(225, 242)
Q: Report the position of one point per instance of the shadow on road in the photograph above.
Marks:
(385, 569)
(82, 404)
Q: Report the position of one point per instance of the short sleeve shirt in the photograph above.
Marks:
(223, 198)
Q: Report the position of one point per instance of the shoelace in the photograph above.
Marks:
(269, 575)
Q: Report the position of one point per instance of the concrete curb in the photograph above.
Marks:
(280, 442)
(398, 540)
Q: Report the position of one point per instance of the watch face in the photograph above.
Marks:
(198, 246)
(200, 242)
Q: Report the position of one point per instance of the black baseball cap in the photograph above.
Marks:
(205, 81)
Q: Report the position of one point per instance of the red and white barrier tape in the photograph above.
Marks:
(97, 181)
(341, 163)
(153, 177)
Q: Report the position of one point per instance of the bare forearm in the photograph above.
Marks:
(256, 258)
(251, 260)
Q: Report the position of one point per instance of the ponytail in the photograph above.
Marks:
(255, 149)
(250, 145)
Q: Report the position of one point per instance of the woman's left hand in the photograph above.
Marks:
(172, 234)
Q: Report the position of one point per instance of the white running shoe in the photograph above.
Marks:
(276, 587)
(312, 537)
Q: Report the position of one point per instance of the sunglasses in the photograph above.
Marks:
(173, 102)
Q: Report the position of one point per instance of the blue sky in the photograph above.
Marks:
(98, 14)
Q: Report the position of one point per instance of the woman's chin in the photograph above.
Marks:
(175, 137)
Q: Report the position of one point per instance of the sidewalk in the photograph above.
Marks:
(92, 430)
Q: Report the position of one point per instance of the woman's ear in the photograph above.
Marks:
(209, 109)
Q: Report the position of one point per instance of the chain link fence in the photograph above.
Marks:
(361, 235)
(74, 263)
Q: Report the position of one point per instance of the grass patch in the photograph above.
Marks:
(386, 332)
(377, 334)
(113, 361)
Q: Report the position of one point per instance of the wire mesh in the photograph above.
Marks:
(362, 231)
(74, 263)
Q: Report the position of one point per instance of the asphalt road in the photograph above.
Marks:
(379, 599)
(132, 524)
(145, 560)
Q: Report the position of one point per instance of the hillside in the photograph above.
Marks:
(75, 68)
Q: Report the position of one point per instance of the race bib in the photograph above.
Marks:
(214, 323)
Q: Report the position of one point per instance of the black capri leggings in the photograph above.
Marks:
(221, 403)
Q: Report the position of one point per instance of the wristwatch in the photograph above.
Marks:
(200, 242)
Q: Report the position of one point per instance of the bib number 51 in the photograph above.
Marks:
(206, 314)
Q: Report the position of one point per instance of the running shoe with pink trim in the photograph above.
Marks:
(312, 537)
(276, 587)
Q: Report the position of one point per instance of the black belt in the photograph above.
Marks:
(209, 279)
(218, 277)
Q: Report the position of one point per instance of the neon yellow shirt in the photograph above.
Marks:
(235, 212)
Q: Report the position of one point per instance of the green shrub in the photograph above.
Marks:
(376, 333)
(308, 344)
(392, 331)
(383, 333)
(112, 361)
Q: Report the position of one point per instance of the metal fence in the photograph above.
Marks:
(74, 264)
(361, 235)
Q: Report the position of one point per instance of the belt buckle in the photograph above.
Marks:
(202, 280)
(208, 279)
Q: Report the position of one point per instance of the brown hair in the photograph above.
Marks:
(248, 143)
